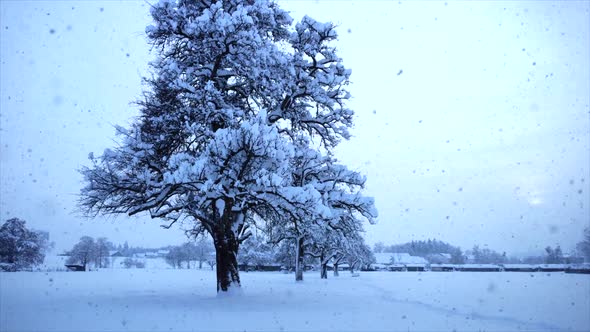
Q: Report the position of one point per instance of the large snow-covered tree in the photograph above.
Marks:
(234, 91)
(20, 248)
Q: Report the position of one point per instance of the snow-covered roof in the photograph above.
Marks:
(442, 265)
(553, 266)
(481, 266)
(383, 258)
(521, 266)
(583, 266)
(405, 258)
(398, 258)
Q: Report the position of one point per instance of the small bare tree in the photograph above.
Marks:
(83, 252)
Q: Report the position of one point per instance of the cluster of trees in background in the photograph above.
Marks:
(97, 253)
(488, 256)
(257, 253)
(128, 251)
(198, 252)
(87, 251)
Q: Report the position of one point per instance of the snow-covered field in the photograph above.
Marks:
(148, 299)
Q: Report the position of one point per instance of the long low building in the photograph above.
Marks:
(578, 268)
(552, 267)
(442, 267)
(399, 262)
(520, 268)
(406, 263)
(478, 268)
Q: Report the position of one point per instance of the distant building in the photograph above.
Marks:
(442, 267)
(552, 267)
(521, 267)
(115, 253)
(398, 262)
(415, 267)
(478, 268)
(405, 258)
(383, 258)
(163, 252)
(578, 268)
(441, 258)
(382, 261)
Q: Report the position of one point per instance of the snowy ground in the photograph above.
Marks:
(146, 299)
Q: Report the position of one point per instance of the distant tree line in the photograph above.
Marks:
(486, 256)
(129, 251)
(430, 248)
(417, 248)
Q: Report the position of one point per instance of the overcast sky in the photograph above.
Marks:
(472, 118)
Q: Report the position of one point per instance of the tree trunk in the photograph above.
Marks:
(299, 266)
(336, 270)
(225, 239)
(324, 271)
(226, 252)
(225, 233)
(324, 267)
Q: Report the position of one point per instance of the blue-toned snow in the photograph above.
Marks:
(155, 299)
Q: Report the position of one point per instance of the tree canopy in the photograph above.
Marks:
(237, 98)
